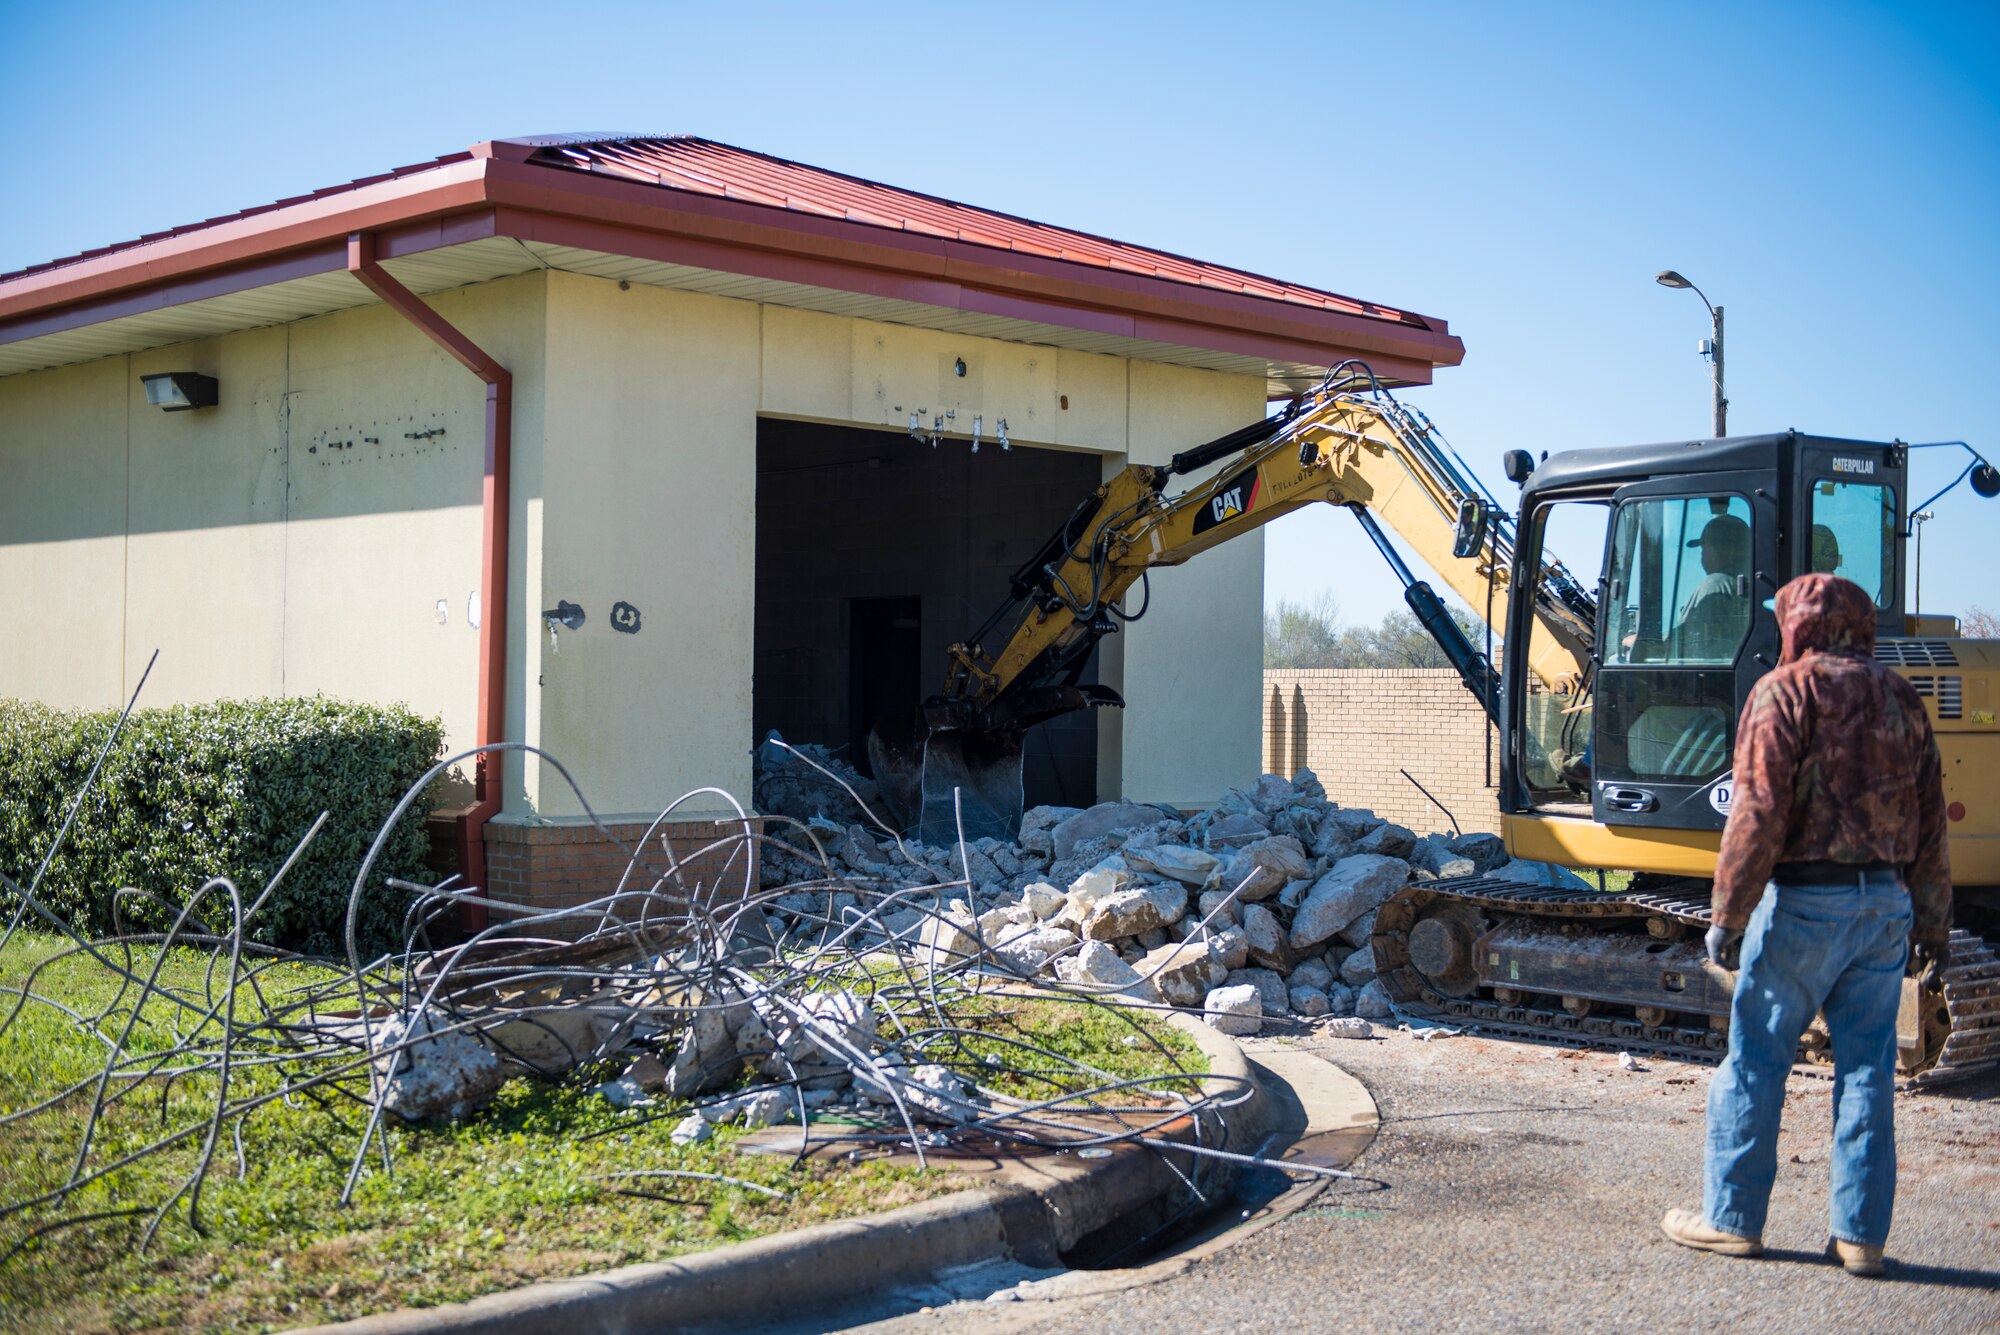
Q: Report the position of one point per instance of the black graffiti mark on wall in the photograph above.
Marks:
(625, 617)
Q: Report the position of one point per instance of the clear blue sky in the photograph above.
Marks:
(1829, 172)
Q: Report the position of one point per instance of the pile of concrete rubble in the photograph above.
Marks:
(1261, 907)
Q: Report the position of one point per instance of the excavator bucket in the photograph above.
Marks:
(937, 782)
(971, 781)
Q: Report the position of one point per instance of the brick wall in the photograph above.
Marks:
(558, 866)
(1356, 727)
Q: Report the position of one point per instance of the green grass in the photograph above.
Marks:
(514, 1194)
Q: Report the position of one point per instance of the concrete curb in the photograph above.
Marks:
(828, 1264)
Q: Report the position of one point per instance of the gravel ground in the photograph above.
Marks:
(1520, 1190)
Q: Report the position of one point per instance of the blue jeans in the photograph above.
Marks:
(1840, 948)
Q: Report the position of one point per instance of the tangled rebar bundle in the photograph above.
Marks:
(704, 996)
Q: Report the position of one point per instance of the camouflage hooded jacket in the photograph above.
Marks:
(1835, 762)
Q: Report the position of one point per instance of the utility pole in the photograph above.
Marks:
(1711, 346)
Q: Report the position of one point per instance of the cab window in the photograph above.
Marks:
(1853, 534)
(1679, 590)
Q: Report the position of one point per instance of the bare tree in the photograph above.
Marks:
(1296, 636)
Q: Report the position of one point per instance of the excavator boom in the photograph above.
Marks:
(1348, 443)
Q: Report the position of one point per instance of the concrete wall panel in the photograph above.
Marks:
(205, 583)
(295, 538)
(1191, 668)
(62, 534)
(650, 501)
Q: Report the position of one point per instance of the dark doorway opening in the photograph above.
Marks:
(885, 653)
(861, 532)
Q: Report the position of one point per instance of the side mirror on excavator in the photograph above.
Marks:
(1470, 536)
(1517, 464)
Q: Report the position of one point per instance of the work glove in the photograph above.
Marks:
(1929, 962)
(1725, 945)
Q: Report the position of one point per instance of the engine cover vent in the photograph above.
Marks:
(1915, 653)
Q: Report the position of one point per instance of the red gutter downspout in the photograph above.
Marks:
(490, 724)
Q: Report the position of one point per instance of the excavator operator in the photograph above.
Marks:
(1712, 620)
(1833, 877)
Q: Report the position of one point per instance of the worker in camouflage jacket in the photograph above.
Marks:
(1833, 880)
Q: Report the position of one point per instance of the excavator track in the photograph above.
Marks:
(1432, 940)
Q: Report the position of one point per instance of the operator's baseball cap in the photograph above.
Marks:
(1726, 529)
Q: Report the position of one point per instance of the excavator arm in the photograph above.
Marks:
(1348, 443)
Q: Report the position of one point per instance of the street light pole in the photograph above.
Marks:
(1668, 278)
(1917, 523)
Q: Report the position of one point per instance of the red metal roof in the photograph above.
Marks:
(394, 173)
(703, 166)
(708, 206)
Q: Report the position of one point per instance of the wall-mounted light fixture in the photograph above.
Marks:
(178, 391)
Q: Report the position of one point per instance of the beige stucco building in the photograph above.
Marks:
(706, 366)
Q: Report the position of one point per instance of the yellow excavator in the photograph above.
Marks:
(1615, 702)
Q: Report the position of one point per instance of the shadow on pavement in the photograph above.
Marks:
(1902, 1272)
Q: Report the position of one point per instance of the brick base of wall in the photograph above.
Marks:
(560, 866)
(1357, 728)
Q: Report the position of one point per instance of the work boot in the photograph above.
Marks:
(1691, 1230)
(1858, 1257)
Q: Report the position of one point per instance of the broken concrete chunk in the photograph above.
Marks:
(1308, 1001)
(1487, 851)
(691, 1130)
(965, 861)
(1211, 900)
(1190, 866)
(1037, 824)
(1390, 840)
(1234, 829)
(1132, 911)
(946, 942)
(1263, 867)
(1270, 988)
(1339, 999)
(625, 1092)
(1106, 878)
(1348, 1027)
(1027, 949)
(1234, 1010)
(1372, 1002)
(646, 1071)
(1352, 821)
(1359, 968)
(1178, 972)
(1043, 900)
(1266, 938)
(1312, 972)
(1106, 818)
(1355, 885)
(553, 1040)
(1361, 931)
(994, 922)
(706, 1056)
(1231, 946)
(1272, 794)
(1096, 963)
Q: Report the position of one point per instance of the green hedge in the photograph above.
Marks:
(222, 789)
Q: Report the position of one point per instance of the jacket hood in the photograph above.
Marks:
(1820, 614)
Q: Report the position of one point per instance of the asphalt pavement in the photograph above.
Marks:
(1516, 1187)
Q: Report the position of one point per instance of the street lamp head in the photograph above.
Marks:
(1668, 278)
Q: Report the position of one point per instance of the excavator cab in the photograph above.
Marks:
(1698, 537)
